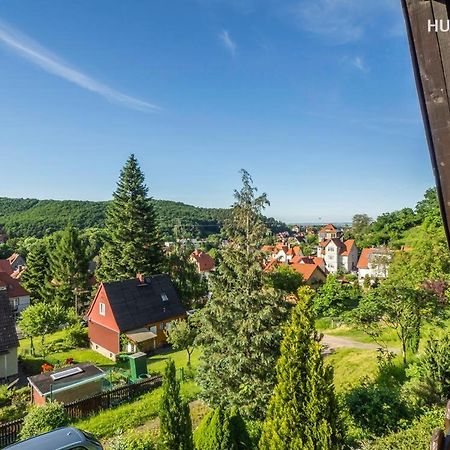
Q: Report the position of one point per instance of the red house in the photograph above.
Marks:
(203, 261)
(132, 315)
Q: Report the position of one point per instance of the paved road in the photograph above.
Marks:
(334, 342)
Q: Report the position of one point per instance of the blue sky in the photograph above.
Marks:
(315, 99)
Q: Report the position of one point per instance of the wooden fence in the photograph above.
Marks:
(82, 408)
(9, 432)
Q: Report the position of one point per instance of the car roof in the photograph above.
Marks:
(58, 439)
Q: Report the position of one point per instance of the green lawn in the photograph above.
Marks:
(327, 326)
(351, 365)
(156, 363)
(131, 415)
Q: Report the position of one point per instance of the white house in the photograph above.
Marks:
(328, 232)
(338, 255)
(374, 263)
(285, 253)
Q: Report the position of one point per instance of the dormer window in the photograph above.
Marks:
(101, 309)
(164, 297)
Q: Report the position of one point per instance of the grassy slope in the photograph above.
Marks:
(131, 415)
(351, 365)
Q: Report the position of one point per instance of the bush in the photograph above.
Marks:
(19, 400)
(377, 408)
(44, 418)
(431, 375)
(222, 429)
(76, 336)
(416, 437)
(5, 395)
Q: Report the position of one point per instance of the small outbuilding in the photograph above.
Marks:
(67, 384)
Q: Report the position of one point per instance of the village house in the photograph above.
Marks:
(310, 260)
(374, 263)
(133, 315)
(312, 274)
(338, 256)
(18, 296)
(67, 384)
(14, 265)
(8, 339)
(281, 252)
(204, 262)
(328, 232)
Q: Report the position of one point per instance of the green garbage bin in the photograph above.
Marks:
(138, 365)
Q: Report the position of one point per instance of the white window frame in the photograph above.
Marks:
(102, 309)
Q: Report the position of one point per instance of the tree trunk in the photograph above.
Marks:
(404, 351)
(189, 357)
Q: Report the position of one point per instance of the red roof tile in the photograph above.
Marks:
(5, 266)
(307, 270)
(348, 247)
(13, 286)
(204, 261)
(328, 228)
(272, 264)
(363, 262)
(296, 259)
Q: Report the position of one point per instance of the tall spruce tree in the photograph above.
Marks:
(69, 269)
(302, 413)
(175, 431)
(37, 276)
(133, 243)
(240, 326)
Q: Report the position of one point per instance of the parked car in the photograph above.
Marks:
(67, 438)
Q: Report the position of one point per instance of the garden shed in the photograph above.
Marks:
(67, 384)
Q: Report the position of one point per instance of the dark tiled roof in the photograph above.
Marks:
(44, 382)
(8, 335)
(136, 304)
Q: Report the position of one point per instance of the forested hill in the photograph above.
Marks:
(31, 217)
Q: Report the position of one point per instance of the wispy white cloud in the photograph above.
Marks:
(359, 63)
(227, 42)
(342, 21)
(30, 50)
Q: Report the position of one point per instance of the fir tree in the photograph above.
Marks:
(37, 276)
(133, 244)
(69, 269)
(222, 430)
(302, 413)
(175, 420)
(191, 286)
(240, 326)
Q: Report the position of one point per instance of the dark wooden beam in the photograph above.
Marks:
(430, 54)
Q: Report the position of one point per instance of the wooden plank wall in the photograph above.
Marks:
(430, 53)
